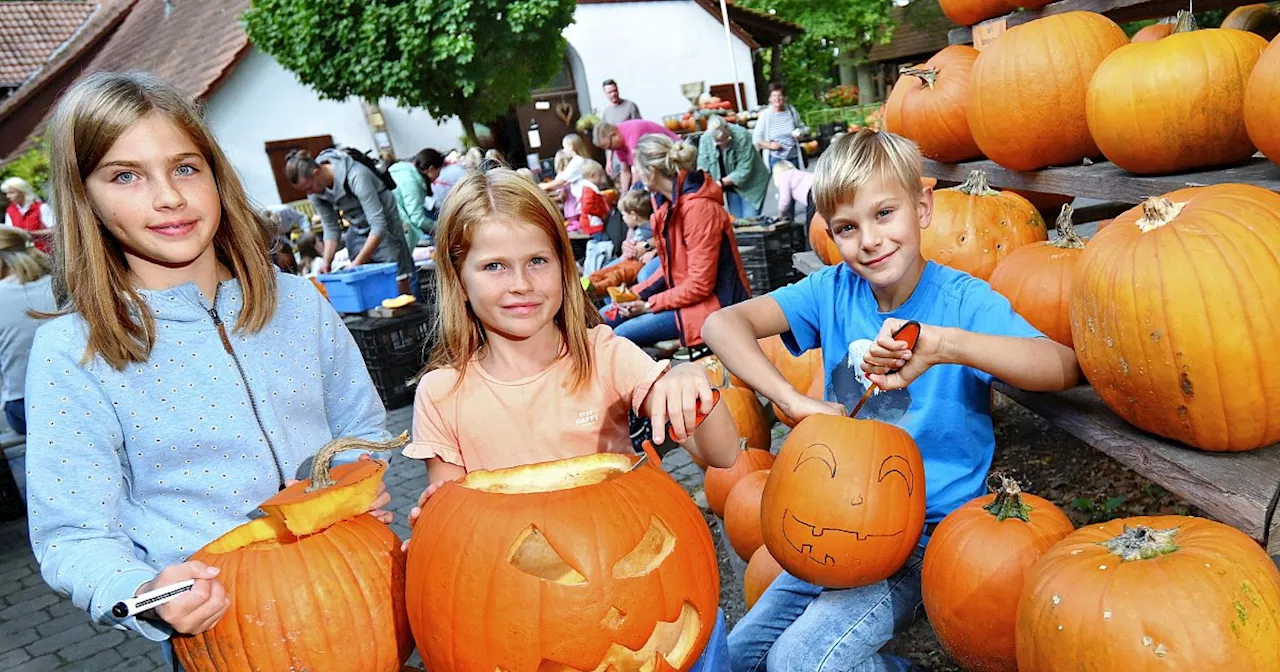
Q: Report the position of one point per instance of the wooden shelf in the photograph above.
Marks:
(1120, 11)
(1104, 180)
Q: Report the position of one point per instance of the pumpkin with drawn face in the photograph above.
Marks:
(844, 504)
(579, 564)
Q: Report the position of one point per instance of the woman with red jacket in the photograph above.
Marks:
(26, 211)
(693, 234)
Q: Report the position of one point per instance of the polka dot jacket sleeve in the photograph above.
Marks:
(75, 485)
(351, 401)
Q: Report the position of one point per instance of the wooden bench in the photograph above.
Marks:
(1239, 489)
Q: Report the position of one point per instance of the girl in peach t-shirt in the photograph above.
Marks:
(523, 372)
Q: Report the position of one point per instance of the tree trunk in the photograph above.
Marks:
(468, 126)
(866, 86)
(775, 65)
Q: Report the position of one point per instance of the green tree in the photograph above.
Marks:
(32, 166)
(836, 32)
(469, 58)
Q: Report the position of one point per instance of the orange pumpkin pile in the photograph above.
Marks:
(717, 483)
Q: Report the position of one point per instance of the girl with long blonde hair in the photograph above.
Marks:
(186, 381)
(26, 290)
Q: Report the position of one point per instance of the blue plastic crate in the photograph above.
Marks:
(360, 289)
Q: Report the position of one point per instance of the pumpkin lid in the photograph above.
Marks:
(331, 495)
(574, 472)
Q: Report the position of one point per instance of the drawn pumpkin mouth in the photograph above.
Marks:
(669, 646)
(809, 539)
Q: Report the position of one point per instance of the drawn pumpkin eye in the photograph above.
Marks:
(649, 554)
(818, 453)
(532, 554)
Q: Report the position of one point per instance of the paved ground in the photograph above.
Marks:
(41, 630)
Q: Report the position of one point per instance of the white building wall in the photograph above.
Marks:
(261, 101)
(650, 49)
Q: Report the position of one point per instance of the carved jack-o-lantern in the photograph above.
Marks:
(580, 564)
(844, 504)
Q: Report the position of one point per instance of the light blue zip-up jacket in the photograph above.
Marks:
(131, 471)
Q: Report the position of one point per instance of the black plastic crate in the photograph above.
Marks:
(774, 240)
(396, 380)
(768, 275)
(395, 349)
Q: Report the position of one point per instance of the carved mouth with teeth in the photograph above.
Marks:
(812, 540)
(668, 647)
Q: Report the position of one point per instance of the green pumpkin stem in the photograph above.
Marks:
(1142, 543)
(976, 185)
(1067, 236)
(928, 75)
(323, 462)
(1008, 502)
(1185, 22)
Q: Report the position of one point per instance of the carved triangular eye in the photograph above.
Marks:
(532, 554)
(654, 547)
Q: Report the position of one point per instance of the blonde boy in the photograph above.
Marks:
(867, 186)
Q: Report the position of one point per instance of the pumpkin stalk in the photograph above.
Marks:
(323, 462)
(976, 185)
(1009, 502)
(1156, 212)
(1142, 543)
(928, 75)
(1067, 236)
(1185, 22)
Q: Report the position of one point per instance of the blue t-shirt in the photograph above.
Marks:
(947, 409)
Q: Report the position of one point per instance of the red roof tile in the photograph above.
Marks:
(32, 32)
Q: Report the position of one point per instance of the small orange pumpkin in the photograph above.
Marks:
(742, 514)
(316, 545)
(1036, 279)
(1153, 32)
(975, 226)
(813, 391)
(1262, 103)
(718, 483)
(762, 569)
(821, 242)
(928, 102)
(975, 566)
(969, 12)
(1260, 19)
(844, 503)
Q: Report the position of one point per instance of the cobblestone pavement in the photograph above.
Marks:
(41, 630)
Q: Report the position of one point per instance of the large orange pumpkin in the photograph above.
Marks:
(975, 226)
(1262, 103)
(717, 483)
(1142, 116)
(762, 569)
(975, 566)
(844, 503)
(578, 564)
(1036, 279)
(821, 242)
(928, 102)
(302, 579)
(1153, 32)
(1260, 19)
(799, 371)
(1192, 355)
(969, 12)
(1027, 97)
(742, 514)
(1151, 593)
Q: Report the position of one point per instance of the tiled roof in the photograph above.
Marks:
(32, 32)
(190, 43)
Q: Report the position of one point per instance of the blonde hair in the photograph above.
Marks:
(561, 160)
(656, 153)
(577, 144)
(472, 202)
(90, 270)
(471, 159)
(637, 202)
(19, 184)
(855, 159)
(19, 256)
(593, 172)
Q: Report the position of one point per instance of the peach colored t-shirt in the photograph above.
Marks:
(490, 424)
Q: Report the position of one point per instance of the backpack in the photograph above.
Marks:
(365, 160)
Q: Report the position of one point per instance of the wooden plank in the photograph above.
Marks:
(1239, 489)
(1120, 11)
(1105, 181)
(806, 262)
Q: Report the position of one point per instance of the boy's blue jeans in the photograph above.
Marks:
(799, 627)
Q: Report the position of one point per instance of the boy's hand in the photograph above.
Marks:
(196, 610)
(416, 511)
(888, 355)
(676, 395)
(628, 249)
(798, 407)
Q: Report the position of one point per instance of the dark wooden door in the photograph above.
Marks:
(278, 151)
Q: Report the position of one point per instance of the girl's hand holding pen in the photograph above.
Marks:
(196, 610)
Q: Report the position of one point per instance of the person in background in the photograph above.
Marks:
(732, 160)
(794, 187)
(286, 218)
(593, 208)
(639, 260)
(413, 187)
(335, 182)
(25, 285)
(569, 163)
(452, 173)
(281, 220)
(310, 254)
(617, 111)
(777, 128)
(27, 212)
(621, 139)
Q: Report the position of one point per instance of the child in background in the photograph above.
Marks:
(187, 380)
(25, 286)
(868, 188)
(794, 187)
(593, 208)
(521, 354)
(638, 260)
